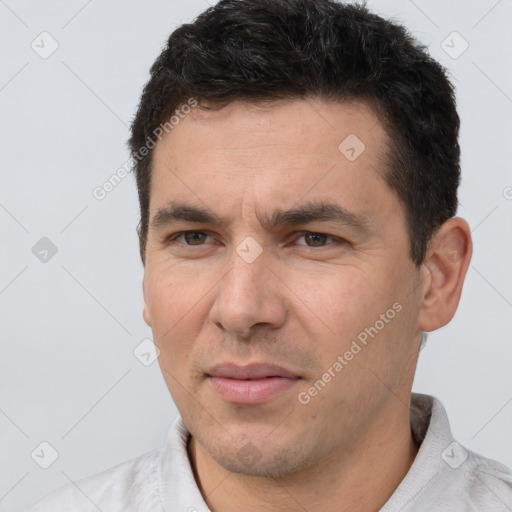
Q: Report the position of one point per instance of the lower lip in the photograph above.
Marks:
(251, 392)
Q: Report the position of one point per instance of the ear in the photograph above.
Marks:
(146, 312)
(444, 270)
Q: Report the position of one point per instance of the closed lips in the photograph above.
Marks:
(250, 372)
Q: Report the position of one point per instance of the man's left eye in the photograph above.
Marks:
(315, 239)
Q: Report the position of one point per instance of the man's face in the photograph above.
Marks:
(301, 294)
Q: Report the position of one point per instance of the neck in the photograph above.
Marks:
(359, 476)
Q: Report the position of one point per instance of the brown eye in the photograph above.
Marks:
(315, 239)
(188, 238)
(194, 237)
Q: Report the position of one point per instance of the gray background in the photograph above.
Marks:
(68, 375)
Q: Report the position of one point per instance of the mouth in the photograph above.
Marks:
(252, 384)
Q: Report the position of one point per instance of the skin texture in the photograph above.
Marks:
(300, 304)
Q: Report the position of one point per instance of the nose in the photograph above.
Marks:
(248, 295)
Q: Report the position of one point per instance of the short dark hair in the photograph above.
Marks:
(260, 50)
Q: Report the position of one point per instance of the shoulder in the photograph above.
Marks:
(445, 475)
(133, 485)
(485, 483)
(466, 481)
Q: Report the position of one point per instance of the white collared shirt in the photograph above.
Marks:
(445, 476)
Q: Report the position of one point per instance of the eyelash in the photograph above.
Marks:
(173, 238)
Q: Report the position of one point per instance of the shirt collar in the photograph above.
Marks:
(431, 428)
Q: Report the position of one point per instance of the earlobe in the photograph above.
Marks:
(446, 265)
(146, 315)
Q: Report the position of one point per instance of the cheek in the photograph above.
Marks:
(176, 303)
(360, 317)
(339, 302)
(172, 292)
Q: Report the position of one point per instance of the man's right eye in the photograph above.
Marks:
(190, 237)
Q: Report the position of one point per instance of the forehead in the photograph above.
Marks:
(278, 152)
(288, 121)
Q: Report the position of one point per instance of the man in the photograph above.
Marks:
(297, 166)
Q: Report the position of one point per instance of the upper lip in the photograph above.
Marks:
(250, 371)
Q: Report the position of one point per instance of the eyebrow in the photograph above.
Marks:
(306, 213)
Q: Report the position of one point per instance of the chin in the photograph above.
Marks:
(259, 457)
